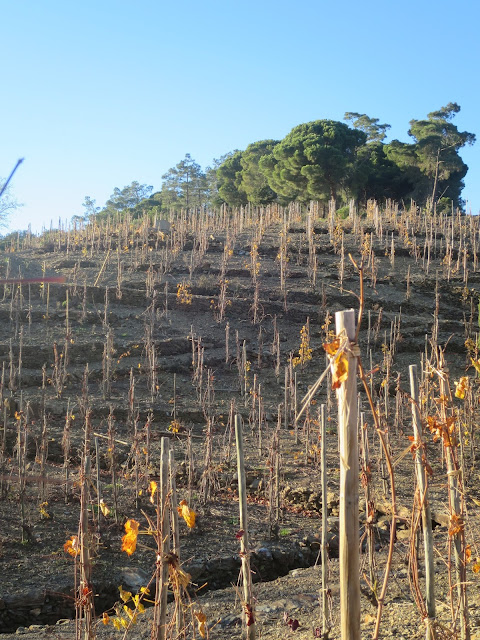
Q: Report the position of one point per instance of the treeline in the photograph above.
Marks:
(317, 160)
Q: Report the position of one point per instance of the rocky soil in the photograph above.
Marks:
(122, 299)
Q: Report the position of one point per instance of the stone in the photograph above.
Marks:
(133, 578)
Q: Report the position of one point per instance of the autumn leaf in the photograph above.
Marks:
(131, 614)
(152, 489)
(476, 364)
(187, 514)
(116, 623)
(201, 622)
(468, 553)
(332, 347)
(456, 525)
(338, 363)
(249, 615)
(71, 546)
(461, 387)
(124, 595)
(105, 509)
(105, 618)
(339, 370)
(129, 540)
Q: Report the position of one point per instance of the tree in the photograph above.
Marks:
(90, 208)
(229, 176)
(378, 177)
(128, 197)
(375, 132)
(8, 204)
(437, 142)
(184, 186)
(314, 161)
(253, 182)
(213, 182)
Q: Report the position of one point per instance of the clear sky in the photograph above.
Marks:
(98, 93)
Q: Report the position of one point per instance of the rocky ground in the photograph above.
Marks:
(115, 298)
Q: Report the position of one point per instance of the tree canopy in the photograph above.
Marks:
(184, 185)
(317, 160)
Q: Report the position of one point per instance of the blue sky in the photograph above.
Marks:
(100, 93)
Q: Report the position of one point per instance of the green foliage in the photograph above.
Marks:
(437, 142)
(229, 181)
(375, 132)
(128, 197)
(314, 161)
(343, 212)
(253, 181)
(184, 186)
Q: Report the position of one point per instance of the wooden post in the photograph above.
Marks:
(426, 515)
(324, 522)
(249, 609)
(159, 627)
(85, 621)
(349, 481)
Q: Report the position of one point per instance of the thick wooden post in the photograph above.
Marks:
(426, 516)
(349, 481)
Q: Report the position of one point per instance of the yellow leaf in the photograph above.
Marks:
(130, 614)
(461, 387)
(116, 623)
(152, 489)
(104, 508)
(129, 540)
(476, 364)
(369, 619)
(187, 514)
(124, 595)
(105, 618)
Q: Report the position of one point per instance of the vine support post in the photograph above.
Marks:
(323, 432)
(349, 481)
(159, 628)
(420, 452)
(249, 611)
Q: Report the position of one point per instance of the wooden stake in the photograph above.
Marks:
(349, 530)
(420, 452)
(248, 604)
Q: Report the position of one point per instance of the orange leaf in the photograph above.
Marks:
(201, 621)
(129, 540)
(339, 370)
(71, 546)
(332, 347)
